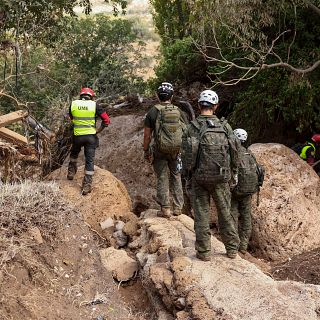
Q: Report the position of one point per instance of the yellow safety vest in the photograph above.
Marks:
(303, 153)
(84, 117)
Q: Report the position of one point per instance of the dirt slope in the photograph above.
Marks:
(121, 153)
(109, 197)
(287, 220)
(49, 262)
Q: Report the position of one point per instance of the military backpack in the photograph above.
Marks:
(248, 179)
(212, 159)
(168, 129)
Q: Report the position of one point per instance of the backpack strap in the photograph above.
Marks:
(224, 123)
(159, 107)
(196, 124)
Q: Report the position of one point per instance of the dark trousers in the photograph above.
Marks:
(90, 143)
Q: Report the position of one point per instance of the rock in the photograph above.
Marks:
(180, 303)
(119, 225)
(150, 213)
(221, 289)
(106, 224)
(142, 257)
(182, 315)
(287, 220)
(131, 227)
(123, 267)
(121, 238)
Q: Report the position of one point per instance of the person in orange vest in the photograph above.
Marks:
(83, 113)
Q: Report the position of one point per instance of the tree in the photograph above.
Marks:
(171, 19)
(251, 36)
(32, 16)
(29, 24)
(92, 51)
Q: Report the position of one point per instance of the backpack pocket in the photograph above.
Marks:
(213, 164)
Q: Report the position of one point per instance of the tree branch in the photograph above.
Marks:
(313, 7)
(290, 67)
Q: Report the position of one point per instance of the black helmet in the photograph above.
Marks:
(165, 91)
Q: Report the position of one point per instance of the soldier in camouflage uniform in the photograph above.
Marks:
(220, 192)
(242, 193)
(166, 165)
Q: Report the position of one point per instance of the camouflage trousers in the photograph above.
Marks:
(168, 180)
(201, 206)
(241, 212)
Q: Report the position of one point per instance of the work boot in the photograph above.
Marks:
(232, 254)
(72, 170)
(243, 248)
(203, 257)
(86, 184)
(164, 213)
(177, 212)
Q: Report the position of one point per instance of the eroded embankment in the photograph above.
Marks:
(53, 255)
(50, 266)
(181, 286)
(285, 223)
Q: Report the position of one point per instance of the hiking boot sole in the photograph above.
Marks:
(203, 257)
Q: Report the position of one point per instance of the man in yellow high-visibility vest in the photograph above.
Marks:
(83, 113)
(309, 150)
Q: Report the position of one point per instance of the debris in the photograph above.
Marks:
(108, 223)
(66, 262)
(119, 225)
(180, 303)
(131, 227)
(119, 263)
(121, 238)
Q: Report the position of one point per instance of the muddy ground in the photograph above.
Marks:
(303, 268)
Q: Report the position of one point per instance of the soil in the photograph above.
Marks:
(67, 282)
(58, 275)
(304, 267)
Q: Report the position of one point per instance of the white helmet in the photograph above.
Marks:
(241, 134)
(208, 96)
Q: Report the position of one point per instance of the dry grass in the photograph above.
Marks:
(26, 206)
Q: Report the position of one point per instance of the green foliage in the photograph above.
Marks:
(273, 104)
(38, 15)
(94, 51)
(99, 48)
(171, 19)
(278, 102)
(180, 62)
